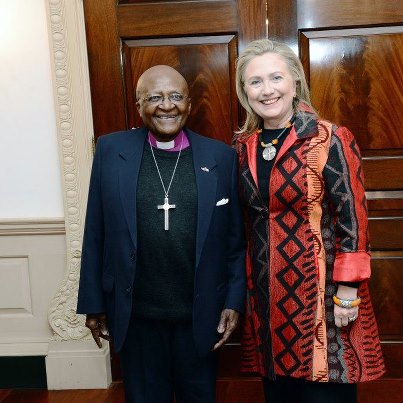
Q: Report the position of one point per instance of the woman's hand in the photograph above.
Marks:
(344, 316)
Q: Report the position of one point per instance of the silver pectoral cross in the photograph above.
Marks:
(166, 207)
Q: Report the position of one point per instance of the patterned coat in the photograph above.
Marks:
(314, 233)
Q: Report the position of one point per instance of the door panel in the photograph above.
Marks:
(386, 293)
(350, 82)
(173, 18)
(342, 13)
(383, 171)
(204, 62)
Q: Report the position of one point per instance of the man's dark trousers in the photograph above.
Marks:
(159, 361)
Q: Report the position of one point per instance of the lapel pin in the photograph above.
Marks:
(205, 169)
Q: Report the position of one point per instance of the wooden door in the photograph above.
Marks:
(352, 52)
(201, 39)
(353, 56)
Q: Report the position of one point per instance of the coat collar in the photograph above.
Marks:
(305, 126)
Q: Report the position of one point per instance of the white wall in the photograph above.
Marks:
(30, 180)
(39, 261)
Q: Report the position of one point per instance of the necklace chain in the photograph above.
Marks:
(287, 126)
(269, 149)
(166, 190)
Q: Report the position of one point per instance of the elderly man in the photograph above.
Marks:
(163, 254)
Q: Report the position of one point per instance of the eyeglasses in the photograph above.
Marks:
(159, 99)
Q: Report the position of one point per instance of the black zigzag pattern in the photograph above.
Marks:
(341, 195)
(290, 221)
(257, 217)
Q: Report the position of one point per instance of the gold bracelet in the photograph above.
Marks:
(346, 303)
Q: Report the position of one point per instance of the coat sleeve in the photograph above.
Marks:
(90, 294)
(344, 187)
(236, 272)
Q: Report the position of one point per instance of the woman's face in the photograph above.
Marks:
(270, 89)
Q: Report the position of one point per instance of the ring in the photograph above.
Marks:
(352, 319)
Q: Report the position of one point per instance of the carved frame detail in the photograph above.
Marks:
(71, 86)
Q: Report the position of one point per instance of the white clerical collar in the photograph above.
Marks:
(180, 142)
(165, 145)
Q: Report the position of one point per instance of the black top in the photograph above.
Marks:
(165, 269)
(264, 167)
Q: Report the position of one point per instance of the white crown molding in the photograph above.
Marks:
(32, 226)
(75, 138)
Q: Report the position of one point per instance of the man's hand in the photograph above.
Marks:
(96, 322)
(228, 322)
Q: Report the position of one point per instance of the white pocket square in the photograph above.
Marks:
(222, 202)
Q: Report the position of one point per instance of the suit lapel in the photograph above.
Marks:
(129, 166)
(206, 181)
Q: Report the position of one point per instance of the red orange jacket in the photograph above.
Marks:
(313, 234)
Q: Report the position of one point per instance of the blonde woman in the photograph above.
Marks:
(310, 330)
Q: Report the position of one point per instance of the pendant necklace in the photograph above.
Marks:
(269, 149)
(166, 206)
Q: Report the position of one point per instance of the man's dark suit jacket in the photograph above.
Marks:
(108, 264)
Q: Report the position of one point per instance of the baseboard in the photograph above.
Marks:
(78, 365)
(23, 372)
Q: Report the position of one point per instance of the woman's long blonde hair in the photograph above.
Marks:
(258, 48)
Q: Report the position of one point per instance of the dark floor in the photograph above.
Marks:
(228, 391)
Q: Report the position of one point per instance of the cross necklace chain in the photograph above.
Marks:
(166, 206)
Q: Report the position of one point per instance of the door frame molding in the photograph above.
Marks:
(73, 359)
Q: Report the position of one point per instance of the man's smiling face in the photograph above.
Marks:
(163, 102)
